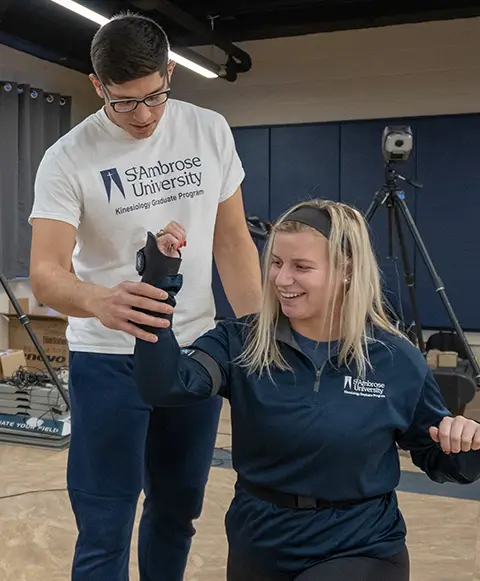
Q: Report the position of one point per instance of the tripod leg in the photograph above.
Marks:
(377, 201)
(391, 255)
(24, 320)
(410, 280)
(439, 286)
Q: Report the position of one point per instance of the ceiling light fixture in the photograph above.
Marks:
(101, 20)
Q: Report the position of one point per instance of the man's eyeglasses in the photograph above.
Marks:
(129, 105)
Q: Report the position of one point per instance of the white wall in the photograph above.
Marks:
(414, 69)
(20, 67)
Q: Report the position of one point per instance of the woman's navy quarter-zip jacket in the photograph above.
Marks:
(318, 432)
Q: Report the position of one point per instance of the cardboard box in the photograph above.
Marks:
(49, 327)
(24, 305)
(11, 361)
(432, 358)
(448, 359)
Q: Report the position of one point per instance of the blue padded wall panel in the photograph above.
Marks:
(448, 150)
(253, 149)
(344, 160)
(362, 172)
(303, 157)
(253, 146)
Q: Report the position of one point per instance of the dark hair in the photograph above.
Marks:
(129, 47)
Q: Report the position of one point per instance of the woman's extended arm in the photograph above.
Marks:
(422, 439)
(166, 374)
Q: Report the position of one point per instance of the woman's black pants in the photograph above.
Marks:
(394, 568)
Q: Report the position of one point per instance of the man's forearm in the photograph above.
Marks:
(239, 269)
(62, 291)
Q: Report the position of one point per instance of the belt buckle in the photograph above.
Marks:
(304, 502)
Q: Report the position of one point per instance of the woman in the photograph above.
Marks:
(322, 390)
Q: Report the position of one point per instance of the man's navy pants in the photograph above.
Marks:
(118, 447)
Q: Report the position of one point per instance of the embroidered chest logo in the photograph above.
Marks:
(363, 388)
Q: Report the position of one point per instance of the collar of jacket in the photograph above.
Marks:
(284, 334)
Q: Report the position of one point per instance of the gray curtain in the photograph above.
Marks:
(30, 121)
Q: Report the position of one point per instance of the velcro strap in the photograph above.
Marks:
(209, 364)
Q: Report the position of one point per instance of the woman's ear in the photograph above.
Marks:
(347, 272)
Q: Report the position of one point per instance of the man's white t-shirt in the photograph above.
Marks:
(114, 188)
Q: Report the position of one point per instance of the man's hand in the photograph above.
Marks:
(113, 308)
(55, 285)
(456, 435)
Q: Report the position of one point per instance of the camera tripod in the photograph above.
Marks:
(25, 321)
(393, 197)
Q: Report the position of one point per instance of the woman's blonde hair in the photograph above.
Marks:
(351, 258)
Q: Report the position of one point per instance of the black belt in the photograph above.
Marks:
(285, 500)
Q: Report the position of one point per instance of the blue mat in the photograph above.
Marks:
(419, 483)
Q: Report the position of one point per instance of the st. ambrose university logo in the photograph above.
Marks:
(109, 177)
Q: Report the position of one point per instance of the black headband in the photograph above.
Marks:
(317, 218)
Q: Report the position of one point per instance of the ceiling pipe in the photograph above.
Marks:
(239, 61)
(199, 59)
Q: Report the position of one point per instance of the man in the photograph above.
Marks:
(139, 163)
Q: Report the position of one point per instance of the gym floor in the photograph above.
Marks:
(37, 530)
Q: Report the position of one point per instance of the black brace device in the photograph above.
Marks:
(155, 267)
(152, 265)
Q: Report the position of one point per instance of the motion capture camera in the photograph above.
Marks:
(397, 143)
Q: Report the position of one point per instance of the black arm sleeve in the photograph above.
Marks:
(463, 468)
(167, 375)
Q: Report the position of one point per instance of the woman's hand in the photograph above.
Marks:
(171, 238)
(456, 435)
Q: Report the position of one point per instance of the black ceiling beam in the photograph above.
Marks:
(44, 53)
(242, 61)
(315, 21)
